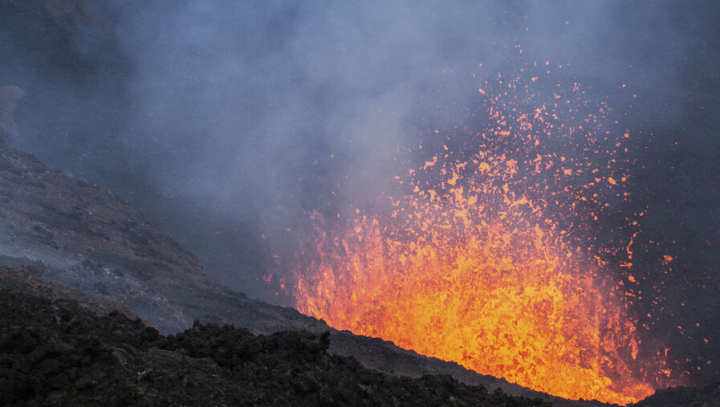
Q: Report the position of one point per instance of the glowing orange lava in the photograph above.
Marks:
(477, 261)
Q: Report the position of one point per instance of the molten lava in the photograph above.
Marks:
(481, 259)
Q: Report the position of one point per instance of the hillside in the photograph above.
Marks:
(56, 352)
(67, 239)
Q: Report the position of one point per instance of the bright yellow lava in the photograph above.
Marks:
(473, 262)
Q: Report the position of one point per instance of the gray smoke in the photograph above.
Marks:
(228, 120)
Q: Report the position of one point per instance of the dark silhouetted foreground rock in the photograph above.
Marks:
(58, 352)
(708, 396)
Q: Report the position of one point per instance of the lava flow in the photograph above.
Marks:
(484, 259)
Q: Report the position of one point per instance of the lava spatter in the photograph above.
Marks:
(487, 258)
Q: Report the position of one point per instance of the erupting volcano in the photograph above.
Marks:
(486, 254)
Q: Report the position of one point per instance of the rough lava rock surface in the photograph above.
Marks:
(57, 352)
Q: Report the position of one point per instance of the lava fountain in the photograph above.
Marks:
(483, 259)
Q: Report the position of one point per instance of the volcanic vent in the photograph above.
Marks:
(486, 256)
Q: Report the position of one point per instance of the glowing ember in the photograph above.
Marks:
(483, 260)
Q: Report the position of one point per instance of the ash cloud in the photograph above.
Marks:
(226, 120)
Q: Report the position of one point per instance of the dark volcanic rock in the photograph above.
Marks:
(56, 352)
(706, 396)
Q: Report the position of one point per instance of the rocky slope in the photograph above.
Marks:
(67, 239)
(89, 240)
(59, 346)
(56, 352)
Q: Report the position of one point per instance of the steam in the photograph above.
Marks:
(250, 113)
